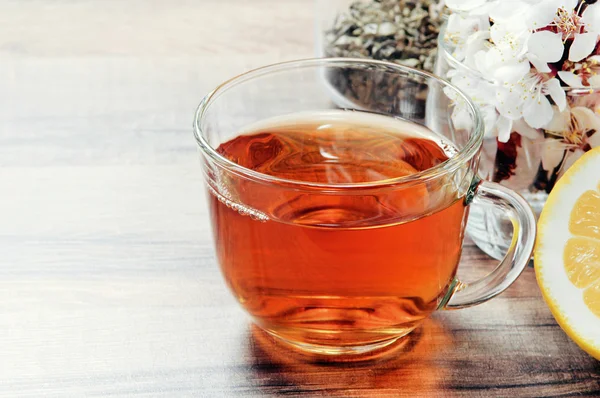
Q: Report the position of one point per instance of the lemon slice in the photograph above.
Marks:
(567, 254)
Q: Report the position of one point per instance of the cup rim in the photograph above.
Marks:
(464, 155)
(446, 51)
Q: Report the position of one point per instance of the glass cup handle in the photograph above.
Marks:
(464, 295)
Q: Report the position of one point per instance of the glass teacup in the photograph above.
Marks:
(339, 219)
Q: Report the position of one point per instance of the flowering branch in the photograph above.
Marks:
(526, 60)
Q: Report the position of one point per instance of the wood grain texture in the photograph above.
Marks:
(108, 284)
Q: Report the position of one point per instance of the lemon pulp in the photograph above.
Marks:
(582, 251)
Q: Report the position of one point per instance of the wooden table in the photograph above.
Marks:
(108, 284)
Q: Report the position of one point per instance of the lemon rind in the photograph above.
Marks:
(550, 218)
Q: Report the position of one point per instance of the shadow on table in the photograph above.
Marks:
(415, 366)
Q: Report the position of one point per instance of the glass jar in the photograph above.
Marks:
(532, 160)
(399, 31)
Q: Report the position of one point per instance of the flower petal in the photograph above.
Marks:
(542, 14)
(570, 79)
(538, 64)
(582, 46)
(475, 43)
(552, 153)
(587, 119)
(538, 112)
(591, 17)
(560, 121)
(509, 103)
(490, 116)
(503, 128)
(460, 29)
(512, 72)
(510, 38)
(462, 119)
(526, 130)
(557, 93)
(485, 61)
(594, 81)
(548, 46)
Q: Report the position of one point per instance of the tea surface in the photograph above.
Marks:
(337, 147)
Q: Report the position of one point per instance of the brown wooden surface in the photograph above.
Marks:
(108, 284)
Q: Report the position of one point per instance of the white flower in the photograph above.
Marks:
(510, 50)
(497, 67)
(582, 74)
(460, 30)
(482, 93)
(505, 61)
(477, 42)
(511, 38)
(563, 16)
(545, 11)
(500, 61)
(528, 99)
(575, 125)
(545, 47)
(576, 129)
